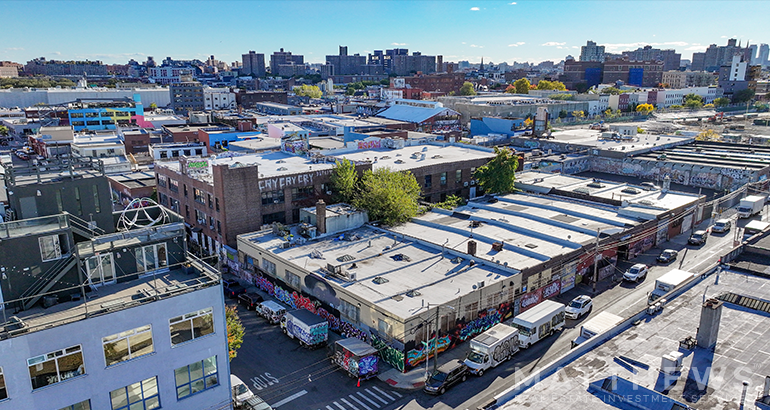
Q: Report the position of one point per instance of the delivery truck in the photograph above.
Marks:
(599, 324)
(539, 322)
(750, 206)
(669, 282)
(754, 227)
(310, 329)
(491, 348)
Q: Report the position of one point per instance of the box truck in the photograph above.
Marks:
(669, 282)
(310, 329)
(539, 322)
(491, 348)
(598, 324)
(754, 227)
(750, 206)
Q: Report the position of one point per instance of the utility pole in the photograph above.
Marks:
(596, 259)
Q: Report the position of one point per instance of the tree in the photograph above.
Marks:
(721, 102)
(708, 105)
(344, 180)
(581, 87)
(676, 107)
(551, 85)
(562, 97)
(511, 89)
(451, 202)
(389, 196)
(563, 114)
(610, 90)
(645, 108)
(305, 90)
(692, 101)
(235, 331)
(522, 86)
(153, 106)
(3, 130)
(579, 114)
(499, 174)
(708, 135)
(467, 89)
(743, 96)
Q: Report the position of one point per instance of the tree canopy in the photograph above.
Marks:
(692, 101)
(721, 102)
(522, 86)
(235, 331)
(34, 82)
(3, 130)
(743, 96)
(645, 108)
(610, 90)
(344, 180)
(467, 89)
(551, 85)
(311, 91)
(499, 174)
(389, 196)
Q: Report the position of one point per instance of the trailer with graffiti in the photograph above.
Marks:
(356, 357)
(311, 330)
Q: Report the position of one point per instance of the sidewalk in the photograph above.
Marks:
(415, 378)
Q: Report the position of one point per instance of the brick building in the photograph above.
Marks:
(639, 73)
(249, 99)
(446, 82)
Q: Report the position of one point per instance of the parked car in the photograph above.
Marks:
(232, 288)
(241, 392)
(668, 255)
(446, 376)
(722, 225)
(250, 300)
(579, 306)
(636, 273)
(698, 237)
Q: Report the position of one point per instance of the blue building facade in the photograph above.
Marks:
(490, 125)
(104, 114)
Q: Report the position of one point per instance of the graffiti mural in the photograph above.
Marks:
(391, 355)
(370, 144)
(481, 324)
(416, 356)
(506, 349)
(642, 245)
(530, 299)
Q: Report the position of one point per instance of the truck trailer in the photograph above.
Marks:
(491, 348)
(310, 329)
(750, 206)
(539, 322)
(597, 325)
(669, 282)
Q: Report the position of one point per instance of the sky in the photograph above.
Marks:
(499, 31)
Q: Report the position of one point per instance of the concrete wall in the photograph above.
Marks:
(98, 380)
(18, 97)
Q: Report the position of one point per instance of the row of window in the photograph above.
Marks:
(443, 178)
(64, 364)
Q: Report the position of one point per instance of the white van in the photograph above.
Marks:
(722, 226)
(539, 322)
(241, 392)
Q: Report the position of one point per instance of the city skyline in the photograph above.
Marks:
(458, 30)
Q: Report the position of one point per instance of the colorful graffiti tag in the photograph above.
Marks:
(416, 356)
(476, 326)
(389, 354)
(370, 144)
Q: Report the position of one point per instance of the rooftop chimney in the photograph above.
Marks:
(710, 316)
(472, 248)
(320, 216)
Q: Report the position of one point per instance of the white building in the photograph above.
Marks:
(218, 99)
(177, 149)
(107, 147)
(167, 75)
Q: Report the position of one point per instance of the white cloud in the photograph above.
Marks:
(474, 9)
(463, 42)
(397, 44)
(512, 4)
(475, 46)
(58, 53)
(553, 44)
(733, 36)
(520, 43)
(15, 48)
(575, 47)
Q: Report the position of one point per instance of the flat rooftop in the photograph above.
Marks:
(593, 139)
(436, 278)
(708, 380)
(710, 154)
(416, 156)
(135, 179)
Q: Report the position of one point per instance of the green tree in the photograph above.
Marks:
(563, 114)
(344, 180)
(743, 96)
(562, 97)
(579, 114)
(610, 90)
(153, 106)
(451, 202)
(676, 107)
(389, 196)
(522, 86)
(499, 174)
(235, 331)
(305, 90)
(581, 87)
(467, 89)
(692, 101)
(721, 102)
(551, 85)
(3, 130)
(510, 89)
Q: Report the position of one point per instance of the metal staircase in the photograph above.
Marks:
(84, 228)
(45, 281)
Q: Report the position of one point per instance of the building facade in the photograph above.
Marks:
(187, 96)
(592, 52)
(253, 64)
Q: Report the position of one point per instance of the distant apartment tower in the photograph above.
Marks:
(670, 58)
(763, 55)
(591, 52)
(387, 57)
(717, 56)
(345, 64)
(684, 79)
(41, 66)
(187, 96)
(253, 64)
(412, 64)
(281, 57)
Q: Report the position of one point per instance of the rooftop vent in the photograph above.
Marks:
(345, 258)
(380, 280)
(630, 190)
(397, 298)
(596, 184)
(283, 169)
(401, 257)
(413, 293)
(582, 190)
(531, 246)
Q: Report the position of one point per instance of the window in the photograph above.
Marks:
(127, 345)
(151, 257)
(211, 203)
(200, 216)
(428, 181)
(272, 197)
(58, 201)
(184, 186)
(302, 192)
(3, 390)
(292, 280)
(350, 311)
(54, 367)
(216, 202)
(186, 210)
(458, 176)
(191, 326)
(83, 405)
(50, 247)
(163, 155)
(268, 266)
(97, 207)
(443, 178)
(77, 201)
(196, 377)
(173, 185)
(199, 196)
(274, 217)
(141, 395)
(162, 179)
(219, 227)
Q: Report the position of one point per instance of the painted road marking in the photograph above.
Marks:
(368, 399)
(339, 405)
(394, 392)
(329, 407)
(383, 393)
(290, 398)
(376, 396)
(360, 402)
(349, 404)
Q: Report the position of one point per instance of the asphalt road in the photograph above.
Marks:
(290, 377)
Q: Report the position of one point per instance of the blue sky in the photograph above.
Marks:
(525, 30)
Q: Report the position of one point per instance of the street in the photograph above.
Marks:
(290, 377)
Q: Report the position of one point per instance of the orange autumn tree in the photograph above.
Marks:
(235, 331)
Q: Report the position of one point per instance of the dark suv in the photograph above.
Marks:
(446, 376)
(250, 300)
(232, 288)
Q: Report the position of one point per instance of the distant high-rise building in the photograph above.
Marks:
(763, 55)
(281, 57)
(718, 56)
(440, 64)
(591, 52)
(345, 64)
(253, 64)
(670, 58)
(386, 58)
(753, 54)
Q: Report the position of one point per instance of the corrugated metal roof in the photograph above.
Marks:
(413, 114)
